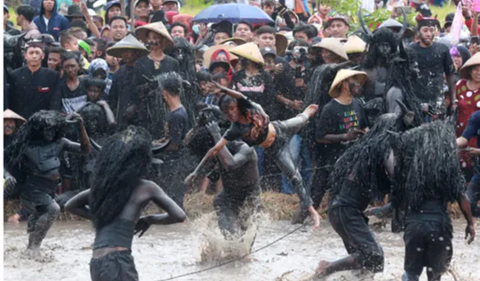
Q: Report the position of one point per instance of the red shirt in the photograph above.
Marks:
(468, 103)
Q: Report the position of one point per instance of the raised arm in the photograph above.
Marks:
(234, 94)
(228, 160)
(91, 25)
(84, 146)
(108, 112)
(78, 205)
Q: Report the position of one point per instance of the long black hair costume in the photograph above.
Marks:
(183, 52)
(427, 177)
(360, 178)
(119, 167)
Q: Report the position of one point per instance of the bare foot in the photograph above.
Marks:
(14, 218)
(310, 110)
(321, 270)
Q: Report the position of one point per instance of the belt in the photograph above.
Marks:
(271, 137)
(105, 251)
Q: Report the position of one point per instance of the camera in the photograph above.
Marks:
(300, 54)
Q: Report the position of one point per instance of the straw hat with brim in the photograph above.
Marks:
(249, 51)
(236, 40)
(8, 114)
(157, 27)
(207, 55)
(465, 70)
(225, 65)
(281, 43)
(341, 76)
(355, 45)
(333, 45)
(127, 43)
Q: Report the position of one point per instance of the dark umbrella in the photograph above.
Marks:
(232, 13)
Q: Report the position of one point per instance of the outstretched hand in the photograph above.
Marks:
(315, 217)
(142, 226)
(213, 128)
(470, 230)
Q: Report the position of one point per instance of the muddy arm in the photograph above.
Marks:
(174, 214)
(78, 205)
(467, 213)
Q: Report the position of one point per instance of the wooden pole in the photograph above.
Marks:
(132, 17)
(122, 7)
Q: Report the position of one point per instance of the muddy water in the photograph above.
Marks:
(166, 251)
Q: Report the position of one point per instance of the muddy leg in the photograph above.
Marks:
(326, 268)
(48, 214)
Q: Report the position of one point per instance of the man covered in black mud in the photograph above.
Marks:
(237, 164)
(38, 145)
(428, 176)
(252, 125)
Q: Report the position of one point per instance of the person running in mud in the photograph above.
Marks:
(38, 146)
(116, 200)
(238, 171)
(252, 125)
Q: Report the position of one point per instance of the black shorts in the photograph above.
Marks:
(352, 226)
(116, 266)
(427, 244)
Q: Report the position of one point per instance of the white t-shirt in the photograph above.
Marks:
(46, 21)
(368, 5)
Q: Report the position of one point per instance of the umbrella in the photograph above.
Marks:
(232, 13)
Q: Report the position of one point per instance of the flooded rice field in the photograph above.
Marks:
(168, 251)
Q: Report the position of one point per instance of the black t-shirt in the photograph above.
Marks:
(336, 119)
(433, 63)
(288, 90)
(251, 134)
(258, 88)
(177, 127)
(472, 130)
(72, 101)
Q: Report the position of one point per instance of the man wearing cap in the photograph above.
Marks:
(170, 5)
(25, 16)
(33, 87)
(49, 21)
(74, 13)
(434, 62)
(338, 26)
(112, 9)
(150, 113)
(129, 49)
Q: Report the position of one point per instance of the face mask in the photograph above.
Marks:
(195, 29)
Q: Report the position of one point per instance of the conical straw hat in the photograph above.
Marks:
(157, 27)
(8, 114)
(475, 60)
(355, 45)
(127, 43)
(345, 74)
(207, 56)
(236, 40)
(249, 51)
(333, 45)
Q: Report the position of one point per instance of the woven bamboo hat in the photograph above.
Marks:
(281, 43)
(474, 60)
(355, 45)
(249, 51)
(157, 27)
(207, 56)
(127, 43)
(341, 76)
(235, 40)
(333, 45)
(8, 114)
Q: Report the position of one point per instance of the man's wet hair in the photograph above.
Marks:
(265, 29)
(58, 50)
(95, 82)
(245, 23)
(28, 12)
(305, 28)
(114, 18)
(185, 30)
(72, 56)
(225, 100)
(171, 82)
(204, 76)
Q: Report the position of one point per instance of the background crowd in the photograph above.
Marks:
(93, 58)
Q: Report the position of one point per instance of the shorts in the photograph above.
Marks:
(116, 266)
(352, 226)
(427, 244)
